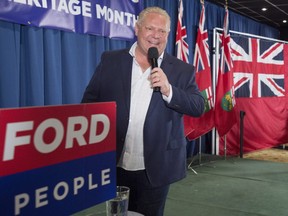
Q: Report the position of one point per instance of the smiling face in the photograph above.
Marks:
(152, 31)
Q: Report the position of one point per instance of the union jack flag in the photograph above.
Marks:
(258, 67)
(181, 34)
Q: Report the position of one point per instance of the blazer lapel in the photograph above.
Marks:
(126, 66)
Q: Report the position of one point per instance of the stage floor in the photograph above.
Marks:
(235, 186)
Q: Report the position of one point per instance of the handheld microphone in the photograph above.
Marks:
(153, 56)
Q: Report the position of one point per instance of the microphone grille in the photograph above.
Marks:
(153, 53)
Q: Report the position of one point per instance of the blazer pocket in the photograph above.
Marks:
(177, 143)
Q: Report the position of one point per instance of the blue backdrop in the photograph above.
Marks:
(48, 67)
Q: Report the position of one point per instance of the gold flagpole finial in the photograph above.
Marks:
(226, 4)
(202, 1)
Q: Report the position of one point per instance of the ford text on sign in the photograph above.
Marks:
(56, 160)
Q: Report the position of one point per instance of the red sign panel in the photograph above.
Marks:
(41, 136)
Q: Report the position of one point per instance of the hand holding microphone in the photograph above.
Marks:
(153, 57)
(158, 77)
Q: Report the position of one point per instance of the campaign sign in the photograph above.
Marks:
(57, 160)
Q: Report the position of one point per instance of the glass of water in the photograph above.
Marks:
(118, 206)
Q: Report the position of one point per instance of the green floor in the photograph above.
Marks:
(232, 187)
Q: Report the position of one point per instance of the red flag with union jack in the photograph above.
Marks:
(181, 34)
(182, 52)
(205, 123)
(225, 116)
(261, 86)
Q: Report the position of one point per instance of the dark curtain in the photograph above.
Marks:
(48, 67)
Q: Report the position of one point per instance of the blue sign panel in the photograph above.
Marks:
(60, 189)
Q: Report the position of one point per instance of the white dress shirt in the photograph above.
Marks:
(132, 157)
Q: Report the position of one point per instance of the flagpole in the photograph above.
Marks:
(242, 114)
(199, 151)
(182, 49)
(225, 147)
(225, 143)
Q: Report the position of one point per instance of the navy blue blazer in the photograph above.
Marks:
(164, 139)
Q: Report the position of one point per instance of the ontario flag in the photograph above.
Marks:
(225, 116)
(205, 123)
(260, 79)
(181, 33)
(182, 52)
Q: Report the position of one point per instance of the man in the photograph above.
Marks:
(151, 146)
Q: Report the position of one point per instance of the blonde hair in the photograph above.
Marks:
(157, 10)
